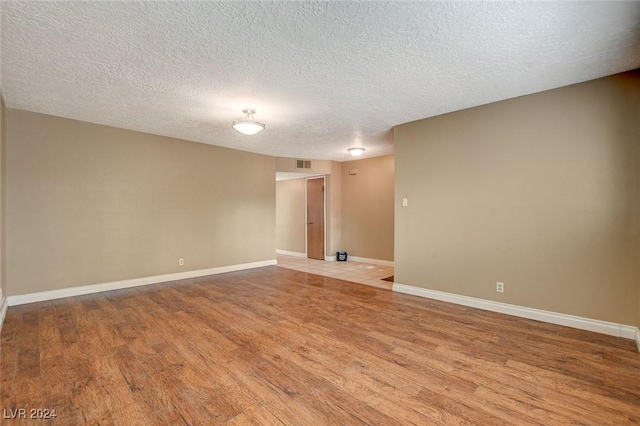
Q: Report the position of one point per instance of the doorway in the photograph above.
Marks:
(315, 219)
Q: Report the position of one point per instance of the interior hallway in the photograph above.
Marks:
(357, 272)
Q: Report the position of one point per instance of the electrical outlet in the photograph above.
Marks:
(500, 287)
(180, 262)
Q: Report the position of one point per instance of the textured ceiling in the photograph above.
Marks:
(323, 76)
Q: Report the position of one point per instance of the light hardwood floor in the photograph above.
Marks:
(275, 346)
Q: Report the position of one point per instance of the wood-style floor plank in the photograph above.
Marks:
(282, 347)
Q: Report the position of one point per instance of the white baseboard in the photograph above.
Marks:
(116, 285)
(298, 254)
(3, 312)
(367, 260)
(638, 339)
(291, 253)
(598, 326)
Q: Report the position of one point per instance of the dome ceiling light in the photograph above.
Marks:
(248, 126)
(356, 152)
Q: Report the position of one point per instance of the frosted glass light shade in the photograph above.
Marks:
(248, 127)
(356, 152)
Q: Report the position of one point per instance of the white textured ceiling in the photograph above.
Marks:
(323, 76)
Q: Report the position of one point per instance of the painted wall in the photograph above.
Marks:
(290, 215)
(323, 167)
(540, 192)
(334, 209)
(89, 204)
(3, 274)
(368, 207)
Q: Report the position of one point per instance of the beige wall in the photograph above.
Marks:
(368, 207)
(90, 204)
(290, 215)
(3, 280)
(284, 164)
(539, 192)
(334, 210)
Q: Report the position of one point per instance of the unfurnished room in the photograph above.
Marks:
(319, 213)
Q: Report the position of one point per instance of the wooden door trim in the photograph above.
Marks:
(324, 208)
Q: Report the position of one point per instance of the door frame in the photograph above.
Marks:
(324, 212)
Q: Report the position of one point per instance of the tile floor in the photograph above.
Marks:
(362, 273)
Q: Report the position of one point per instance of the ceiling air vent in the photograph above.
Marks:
(303, 164)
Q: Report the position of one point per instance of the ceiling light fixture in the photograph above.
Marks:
(356, 152)
(248, 126)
